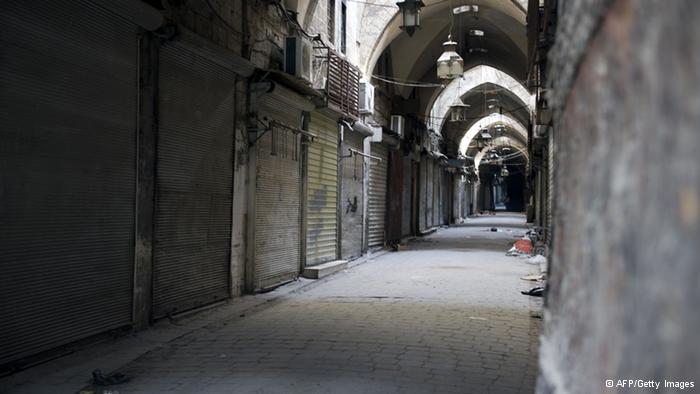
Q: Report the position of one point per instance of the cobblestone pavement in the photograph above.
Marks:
(444, 316)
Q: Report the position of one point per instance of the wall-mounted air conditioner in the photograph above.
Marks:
(298, 57)
(397, 124)
(366, 98)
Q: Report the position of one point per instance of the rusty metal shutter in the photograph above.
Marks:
(376, 212)
(277, 196)
(193, 181)
(322, 191)
(68, 165)
(351, 204)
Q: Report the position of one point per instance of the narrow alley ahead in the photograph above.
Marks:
(446, 315)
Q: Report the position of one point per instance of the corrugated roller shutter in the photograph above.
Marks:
(193, 181)
(429, 190)
(277, 196)
(435, 173)
(423, 194)
(377, 196)
(446, 194)
(322, 191)
(351, 204)
(68, 165)
(406, 195)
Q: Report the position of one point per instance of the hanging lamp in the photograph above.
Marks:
(504, 171)
(458, 110)
(410, 15)
(450, 65)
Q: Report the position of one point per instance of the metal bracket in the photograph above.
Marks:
(354, 152)
(273, 123)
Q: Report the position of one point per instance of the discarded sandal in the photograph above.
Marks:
(99, 379)
(534, 292)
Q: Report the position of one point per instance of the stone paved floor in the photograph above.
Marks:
(444, 316)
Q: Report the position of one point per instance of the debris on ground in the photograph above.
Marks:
(534, 292)
(100, 379)
(521, 246)
(536, 259)
(494, 229)
(533, 277)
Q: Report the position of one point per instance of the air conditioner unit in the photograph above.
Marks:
(298, 57)
(366, 98)
(397, 124)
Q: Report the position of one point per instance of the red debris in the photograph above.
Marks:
(523, 246)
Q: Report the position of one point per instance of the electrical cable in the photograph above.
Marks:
(409, 84)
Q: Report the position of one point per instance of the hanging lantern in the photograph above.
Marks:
(504, 171)
(458, 110)
(450, 65)
(410, 15)
(483, 138)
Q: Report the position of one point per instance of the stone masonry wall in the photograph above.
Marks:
(624, 272)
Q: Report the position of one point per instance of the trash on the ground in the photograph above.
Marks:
(533, 277)
(537, 259)
(534, 292)
(100, 379)
(477, 318)
(521, 246)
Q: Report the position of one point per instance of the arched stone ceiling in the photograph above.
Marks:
(512, 126)
(471, 80)
(479, 99)
(500, 142)
(504, 18)
(413, 58)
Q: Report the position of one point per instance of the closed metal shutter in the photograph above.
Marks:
(377, 196)
(435, 172)
(423, 194)
(406, 195)
(550, 189)
(193, 181)
(68, 165)
(446, 194)
(277, 196)
(322, 191)
(351, 204)
(429, 191)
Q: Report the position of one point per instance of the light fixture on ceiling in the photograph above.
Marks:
(466, 8)
(483, 138)
(410, 15)
(458, 110)
(492, 103)
(450, 65)
(504, 171)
